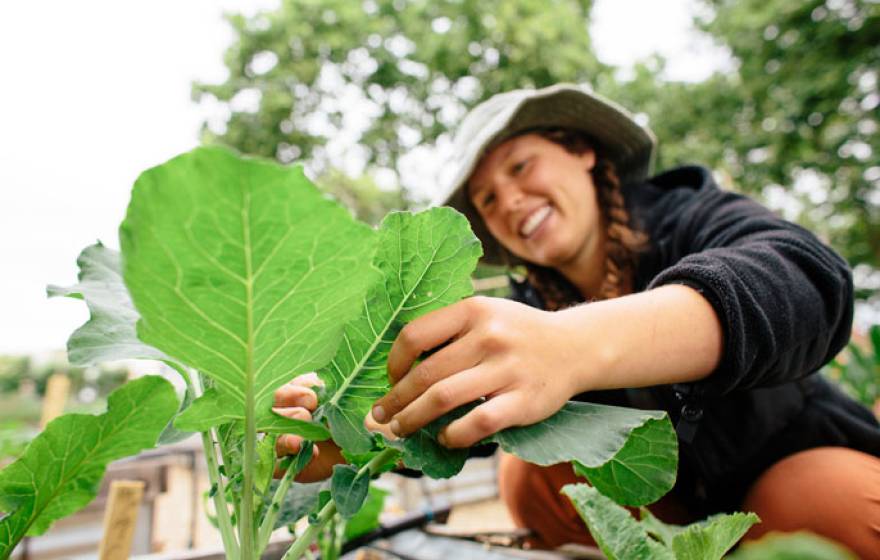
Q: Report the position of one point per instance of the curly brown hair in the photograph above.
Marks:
(622, 241)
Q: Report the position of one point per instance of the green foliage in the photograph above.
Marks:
(423, 262)
(349, 487)
(258, 270)
(241, 270)
(802, 104)
(109, 334)
(620, 536)
(61, 469)
(791, 546)
(643, 470)
(796, 117)
(367, 519)
(858, 370)
(415, 66)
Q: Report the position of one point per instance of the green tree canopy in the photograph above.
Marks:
(794, 122)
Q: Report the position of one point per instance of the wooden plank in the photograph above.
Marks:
(57, 388)
(119, 519)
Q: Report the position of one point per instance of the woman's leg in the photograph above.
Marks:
(532, 496)
(831, 491)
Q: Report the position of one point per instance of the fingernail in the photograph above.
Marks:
(441, 437)
(379, 414)
(395, 427)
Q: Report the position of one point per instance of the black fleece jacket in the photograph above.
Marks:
(785, 303)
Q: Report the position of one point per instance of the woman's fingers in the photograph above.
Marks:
(326, 454)
(488, 418)
(423, 334)
(298, 392)
(458, 356)
(443, 396)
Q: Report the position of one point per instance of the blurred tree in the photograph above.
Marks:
(366, 200)
(411, 67)
(795, 123)
(798, 120)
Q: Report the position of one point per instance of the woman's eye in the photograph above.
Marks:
(487, 200)
(519, 166)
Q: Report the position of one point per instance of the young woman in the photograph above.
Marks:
(699, 302)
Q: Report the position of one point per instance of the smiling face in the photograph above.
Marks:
(539, 201)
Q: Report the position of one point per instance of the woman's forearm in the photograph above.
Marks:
(666, 335)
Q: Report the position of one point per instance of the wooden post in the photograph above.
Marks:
(55, 398)
(119, 519)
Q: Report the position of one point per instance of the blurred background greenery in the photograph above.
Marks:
(794, 122)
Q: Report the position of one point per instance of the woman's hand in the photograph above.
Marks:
(512, 354)
(298, 400)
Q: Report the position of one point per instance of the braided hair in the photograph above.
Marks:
(622, 242)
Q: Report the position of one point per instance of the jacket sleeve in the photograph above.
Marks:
(784, 299)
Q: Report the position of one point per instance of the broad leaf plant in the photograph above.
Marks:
(240, 275)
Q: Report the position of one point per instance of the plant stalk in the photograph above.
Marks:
(246, 521)
(301, 544)
(224, 523)
(268, 524)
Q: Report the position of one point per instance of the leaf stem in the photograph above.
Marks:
(224, 523)
(268, 524)
(246, 522)
(301, 544)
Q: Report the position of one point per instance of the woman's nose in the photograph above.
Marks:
(510, 197)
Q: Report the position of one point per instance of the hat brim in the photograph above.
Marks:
(630, 146)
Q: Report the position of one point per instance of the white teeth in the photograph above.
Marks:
(533, 221)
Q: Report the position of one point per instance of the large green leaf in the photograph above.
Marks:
(241, 269)
(60, 470)
(424, 262)
(630, 455)
(110, 332)
(643, 470)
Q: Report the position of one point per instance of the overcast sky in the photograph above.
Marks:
(96, 91)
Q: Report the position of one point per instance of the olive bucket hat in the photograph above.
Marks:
(629, 145)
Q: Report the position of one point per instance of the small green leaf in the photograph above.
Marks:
(349, 488)
(661, 531)
(301, 500)
(615, 530)
(423, 452)
(61, 469)
(711, 539)
(215, 409)
(265, 466)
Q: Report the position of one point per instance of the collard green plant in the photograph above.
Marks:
(60, 470)
(241, 275)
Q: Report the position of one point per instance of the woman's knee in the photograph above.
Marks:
(830, 491)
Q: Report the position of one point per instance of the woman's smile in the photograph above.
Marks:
(531, 225)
